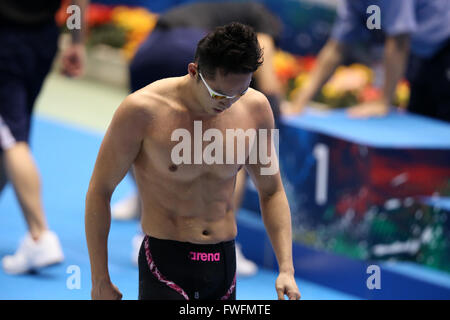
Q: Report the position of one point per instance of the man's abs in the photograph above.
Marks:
(194, 229)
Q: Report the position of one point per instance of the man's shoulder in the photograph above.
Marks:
(258, 106)
(146, 98)
(256, 99)
(151, 99)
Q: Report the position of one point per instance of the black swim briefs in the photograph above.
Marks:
(173, 270)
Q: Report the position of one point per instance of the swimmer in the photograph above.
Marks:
(187, 209)
(179, 30)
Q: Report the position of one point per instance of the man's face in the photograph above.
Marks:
(222, 91)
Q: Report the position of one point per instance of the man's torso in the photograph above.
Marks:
(191, 201)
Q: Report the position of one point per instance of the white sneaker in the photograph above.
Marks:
(244, 267)
(33, 255)
(136, 243)
(126, 209)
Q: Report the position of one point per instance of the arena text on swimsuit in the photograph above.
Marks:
(262, 147)
(226, 309)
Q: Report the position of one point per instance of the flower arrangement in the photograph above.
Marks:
(137, 22)
(120, 27)
(348, 86)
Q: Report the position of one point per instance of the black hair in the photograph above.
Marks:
(232, 48)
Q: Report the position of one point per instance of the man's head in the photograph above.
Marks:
(232, 48)
(224, 64)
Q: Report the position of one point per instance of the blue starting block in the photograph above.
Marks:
(364, 192)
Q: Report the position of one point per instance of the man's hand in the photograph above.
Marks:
(73, 60)
(289, 108)
(368, 109)
(396, 50)
(285, 285)
(105, 290)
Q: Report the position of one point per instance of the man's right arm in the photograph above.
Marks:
(330, 57)
(347, 29)
(120, 147)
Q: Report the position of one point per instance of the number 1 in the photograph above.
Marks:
(321, 153)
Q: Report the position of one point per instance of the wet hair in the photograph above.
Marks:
(232, 48)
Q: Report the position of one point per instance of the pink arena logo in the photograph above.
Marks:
(203, 256)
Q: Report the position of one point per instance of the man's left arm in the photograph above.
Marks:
(73, 58)
(274, 204)
(398, 22)
(396, 52)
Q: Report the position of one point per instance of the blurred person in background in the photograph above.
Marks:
(171, 47)
(28, 45)
(416, 37)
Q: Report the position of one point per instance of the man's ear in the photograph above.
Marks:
(192, 69)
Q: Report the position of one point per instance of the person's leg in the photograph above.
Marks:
(40, 247)
(17, 163)
(24, 176)
(421, 100)
(440, 73)
(29, 56)
(429, 88)
(20, 166)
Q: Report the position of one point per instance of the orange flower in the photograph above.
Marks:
(98, 14)
(286, 66)
(138, 22)
(369, 93)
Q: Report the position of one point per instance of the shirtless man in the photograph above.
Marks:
(187, 216)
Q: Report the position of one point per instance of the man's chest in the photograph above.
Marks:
(194, 148)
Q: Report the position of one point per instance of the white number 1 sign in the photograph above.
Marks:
(321, 153)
